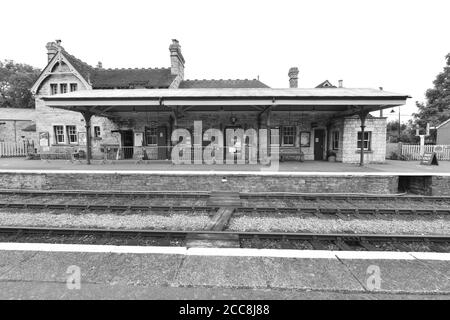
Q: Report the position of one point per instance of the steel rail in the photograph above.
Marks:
(242, 235)
(182, 194)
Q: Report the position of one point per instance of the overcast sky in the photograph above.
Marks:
(394, 44)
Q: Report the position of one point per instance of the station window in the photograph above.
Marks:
(96, 131)
(288, 133)
(73, 87)
(72, 134)
(63, 87)
(53, 88)
(367, 140)
(151, 136)
(335, 140)
(59, 134)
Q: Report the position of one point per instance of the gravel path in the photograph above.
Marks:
(392, 225)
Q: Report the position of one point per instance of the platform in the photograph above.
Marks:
(311, 167)
(40, 272)
(292, 177)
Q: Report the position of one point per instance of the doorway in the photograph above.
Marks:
(162, 143)
(127, 144)
(319, 143)
(237, 146)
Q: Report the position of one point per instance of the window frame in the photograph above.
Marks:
(99, 134)
(73, 85)
(335, 139)
(290, 136)
(367, 141)
(73, 134)
(152, 135)
(63, 88)
(53, 86)
(61, 134)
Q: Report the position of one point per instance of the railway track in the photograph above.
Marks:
(206, 194)
(359, 242)
(239, 210)
(284, 203)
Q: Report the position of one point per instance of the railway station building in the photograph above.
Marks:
(131, 113)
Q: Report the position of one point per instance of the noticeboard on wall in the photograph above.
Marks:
(138, 139)
(305, 139)
(82, 138)
(44, 138)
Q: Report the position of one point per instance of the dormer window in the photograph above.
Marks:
(63, 87)
(53, 88)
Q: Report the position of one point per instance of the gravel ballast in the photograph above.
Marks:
(105, 220)
(392, 225)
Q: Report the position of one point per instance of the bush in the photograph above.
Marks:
(394, 156)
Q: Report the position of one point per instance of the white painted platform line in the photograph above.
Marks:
(272, 253)
(373, 255)
(431, 256)
(50, 247)
(227, 252)
(223, 173)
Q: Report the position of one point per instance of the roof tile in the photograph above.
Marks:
(225, 84)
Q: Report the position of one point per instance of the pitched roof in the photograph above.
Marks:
(326, 84)
(30, 128)
(130, 78)
(443, 123)
(222, 83)
(121, 78)
(82, 67)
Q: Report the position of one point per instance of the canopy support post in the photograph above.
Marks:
(362, 116)
(87, 118)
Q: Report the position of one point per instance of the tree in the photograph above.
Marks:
(437, 107)
(407, 133)
(16, 80)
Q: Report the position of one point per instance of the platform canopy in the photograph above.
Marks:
(347, 101)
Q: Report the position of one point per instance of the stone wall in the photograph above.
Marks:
(377, 153)
(440, 186)
(47, 118)
(426, 185)
(13, 121)
(197, 182)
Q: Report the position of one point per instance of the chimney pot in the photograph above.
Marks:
(100, 65)
(293, 77)
(176, 59)
(341, 83)
(52, 50)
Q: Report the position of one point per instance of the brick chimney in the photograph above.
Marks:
(176, 59)
(293, 77)
(52, 49)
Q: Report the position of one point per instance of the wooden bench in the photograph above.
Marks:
(291, 153)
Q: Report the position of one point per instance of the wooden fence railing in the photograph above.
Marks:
(12, 149)
(412, 151)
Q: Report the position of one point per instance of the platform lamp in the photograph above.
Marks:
(399, 123)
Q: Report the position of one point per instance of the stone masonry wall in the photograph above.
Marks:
(351, 153)
(47, 117)
(193, 182)
(440, 186)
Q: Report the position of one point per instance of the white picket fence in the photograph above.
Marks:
(12, 149)
(412, 151)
